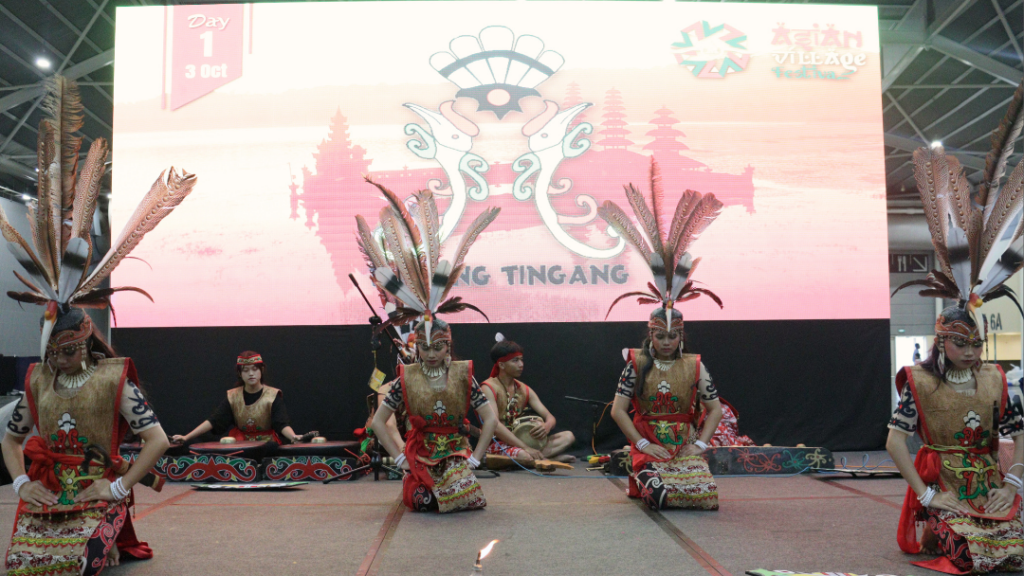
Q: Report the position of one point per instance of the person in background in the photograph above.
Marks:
(511, 398)
(252, 411)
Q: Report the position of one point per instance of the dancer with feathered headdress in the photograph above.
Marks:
(81, 397)
(955, 402)
(435, 393)
(665, 385)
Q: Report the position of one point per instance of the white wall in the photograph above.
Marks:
(19, 323)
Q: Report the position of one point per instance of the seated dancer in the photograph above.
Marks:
(957, 498)
(436, 392)
(661, 382)
(73, 508)
(510, 398)
(252, 411)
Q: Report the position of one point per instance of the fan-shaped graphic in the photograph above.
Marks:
(711, 51)
(497, 69)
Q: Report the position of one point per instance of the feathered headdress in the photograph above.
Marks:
(57, 262)
(664, 247)
(409, 267)
(976, 234)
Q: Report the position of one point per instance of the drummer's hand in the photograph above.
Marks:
(535, 454)
(656, 451)
(540, 432)
(178, 439)
(947, 501)
(1000, 500)
(98, 490)
(691, 450)
(36, 494)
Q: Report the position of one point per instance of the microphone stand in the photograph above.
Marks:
(376, 460)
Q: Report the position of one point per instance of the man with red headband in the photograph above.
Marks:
(511, 399)
(252, 411)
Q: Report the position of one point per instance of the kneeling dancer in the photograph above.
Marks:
(957, 498)
(436, 391)
(665, 385)
(73, 509)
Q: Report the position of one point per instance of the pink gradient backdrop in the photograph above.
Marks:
(799, 162)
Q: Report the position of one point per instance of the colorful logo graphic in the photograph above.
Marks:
(711, 51)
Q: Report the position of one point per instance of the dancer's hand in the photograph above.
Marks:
(656, 451)
(1000, 500)
(947, 501)
(36, 494)
(405, 465)
(691, 450)
(98, 490)
(178, 439)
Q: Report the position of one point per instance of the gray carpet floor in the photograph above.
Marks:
(554, 525)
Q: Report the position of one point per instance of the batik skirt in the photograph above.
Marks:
(682, 482)
(65, 543)
(977, 545)
(455, 488)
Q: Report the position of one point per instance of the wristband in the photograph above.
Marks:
(473, 462)
(701, 444)
(400, 460)
(1014, 466)
(926, 498)
(1014, 481)
(642, 443)
(118, 490)
(19, 482)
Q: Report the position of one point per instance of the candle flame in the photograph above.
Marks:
(487, 549)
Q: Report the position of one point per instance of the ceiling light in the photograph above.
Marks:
(43, 63)
(26, 197)
(936, 143)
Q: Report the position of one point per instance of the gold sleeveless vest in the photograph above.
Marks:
(508, 410)
(439, 408)
(666, 392)
(256, 416)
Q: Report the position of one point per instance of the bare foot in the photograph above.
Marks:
(566, 458)
(114, 556)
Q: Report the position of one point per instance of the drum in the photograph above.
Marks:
(136, 447)
(339, 448)
(247, 449)
(521, 428)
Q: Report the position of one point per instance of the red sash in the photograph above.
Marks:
(43, 460)
(415, 446)
(643, 426)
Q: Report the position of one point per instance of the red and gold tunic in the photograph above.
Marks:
(665, 411)
(960, 456)
(68, 538)
(434, 448)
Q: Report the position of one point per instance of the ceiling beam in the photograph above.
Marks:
(83, 68)
(909, 145)
(976, 60)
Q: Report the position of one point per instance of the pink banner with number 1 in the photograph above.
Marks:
(206, 52)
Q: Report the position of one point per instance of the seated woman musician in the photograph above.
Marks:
(252, 411)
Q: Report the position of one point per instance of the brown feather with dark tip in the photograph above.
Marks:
(1003, 139)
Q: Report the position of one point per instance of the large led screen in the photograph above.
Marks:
(544, 109)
